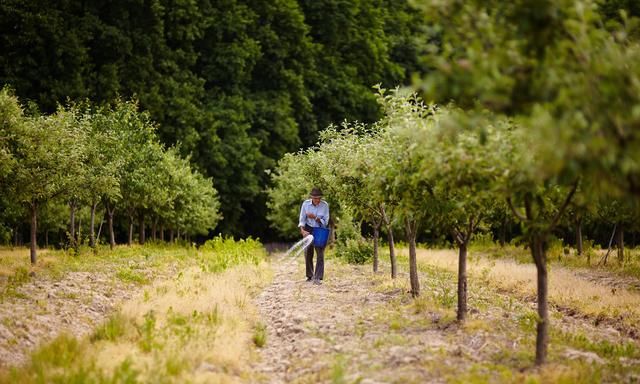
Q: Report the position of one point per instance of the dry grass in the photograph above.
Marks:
(197, 326)
(202, 321)
(566, 288)
(12, 259)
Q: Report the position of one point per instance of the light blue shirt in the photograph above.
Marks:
(321, 211)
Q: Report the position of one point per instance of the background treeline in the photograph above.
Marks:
(236, 83)
(104, 161)
(539, 125)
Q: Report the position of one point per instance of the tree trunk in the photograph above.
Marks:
(620, 243)
(34, 230)
(171, 235)
(162, 232)
(112, 235)
(46, 238)
(503, 231)
(613, 234)
(154, 228)
(178, 235)
(392, 250)
(462, 280)
(16, 236)
(130, 239)
(542, 329)
(72, 223)
(332, 231)
(579, 235)
(413, 263)
(392, 254)
(92, 230)
(141, 229)
(376, 235)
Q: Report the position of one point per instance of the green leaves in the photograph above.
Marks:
(108, 154)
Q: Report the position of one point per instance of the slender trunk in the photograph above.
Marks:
(620, 243)
(161, 232)
(332, 231)
(99, 230)
(392, 254)
(46, 238)
(462, 280)
(130, 239)
(34, 229)
(376, 235)
(112, 235)
(72, 222)
(178, 235)
(413, 263)
(392, 250)
(141, 229)
(579, 235)
(171, 235)
(16, 235)
(503, 231)
(542, 329)
(613, 234)
(154, 228)
(92, 230)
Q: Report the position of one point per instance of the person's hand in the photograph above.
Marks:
(304, 233)
(311, 215)
(318, 220)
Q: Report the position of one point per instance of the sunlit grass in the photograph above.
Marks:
(196, 326)
(566, 289)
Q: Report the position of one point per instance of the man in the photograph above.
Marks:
(314, 213)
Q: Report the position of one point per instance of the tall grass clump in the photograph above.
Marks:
(220, 253)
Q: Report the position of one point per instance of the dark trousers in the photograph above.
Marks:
(308, 257)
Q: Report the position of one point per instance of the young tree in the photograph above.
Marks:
(398, 176)
(48, 157)
(465, 178)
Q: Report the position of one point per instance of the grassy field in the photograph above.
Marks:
(191, 319)
(190, 315)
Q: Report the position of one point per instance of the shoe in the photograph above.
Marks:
(317, 282)
(308, 279)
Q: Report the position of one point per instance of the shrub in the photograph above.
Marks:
(355, 251)
(221, 253)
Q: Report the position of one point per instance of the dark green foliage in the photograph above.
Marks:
(236, 83)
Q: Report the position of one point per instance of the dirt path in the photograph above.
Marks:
(334, 331)
(360, 327)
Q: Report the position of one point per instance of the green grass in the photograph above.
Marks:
(130, 275)
(111, 329)
(260, 335)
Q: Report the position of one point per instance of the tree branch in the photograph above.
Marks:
(457, 236)
(517, 214)
(564, 205)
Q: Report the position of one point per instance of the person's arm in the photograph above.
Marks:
(324, 216)
(302, 220)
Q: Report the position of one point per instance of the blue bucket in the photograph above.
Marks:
(320, 237)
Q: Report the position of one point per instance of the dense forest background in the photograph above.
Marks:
(233, 84)
(236, 84)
